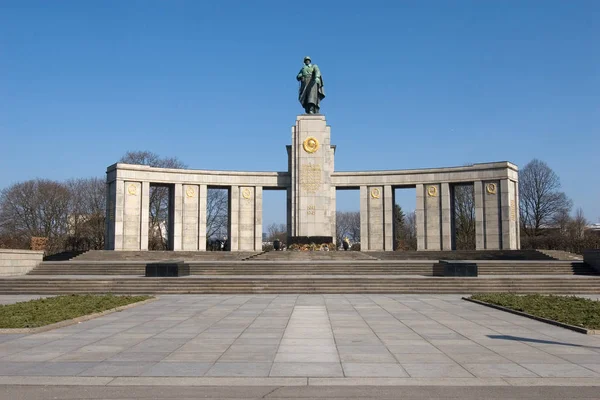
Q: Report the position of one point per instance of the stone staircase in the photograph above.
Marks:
(272, 256)
(243, 284)
(306, 272)
(462, 255)
(312, 263)
(314, 267)
(561, 255)
(252, 267)
(110, 255)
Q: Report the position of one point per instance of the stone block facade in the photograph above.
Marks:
(19, 262)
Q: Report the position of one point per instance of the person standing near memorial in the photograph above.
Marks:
(311, 90)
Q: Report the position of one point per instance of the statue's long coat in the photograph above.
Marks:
(310, 91)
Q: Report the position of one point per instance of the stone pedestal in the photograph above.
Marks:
(311, 160)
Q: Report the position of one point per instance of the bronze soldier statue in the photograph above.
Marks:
(311, 87)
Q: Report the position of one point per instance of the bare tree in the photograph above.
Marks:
(86, 214)
(411, 231)
(578, 224)
(35, 208)
(152, 160)
(464, 217)
(217, 203)
(540, 200)
(562, 221)
(159, 196)
(347, 224)
(277, 231)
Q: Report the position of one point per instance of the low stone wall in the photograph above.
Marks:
(592, 258)
(19, 262)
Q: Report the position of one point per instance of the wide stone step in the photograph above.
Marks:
(301, 284)
(108, 255)
(362, 267)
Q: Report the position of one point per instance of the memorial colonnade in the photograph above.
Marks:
(495, 189)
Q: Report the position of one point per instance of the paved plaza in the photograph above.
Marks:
(299, 340)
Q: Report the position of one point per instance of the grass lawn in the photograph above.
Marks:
(566, 309)
(40, 312)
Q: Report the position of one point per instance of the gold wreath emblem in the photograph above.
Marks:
(189, 192)
(246, 193)
(432, 191)
(375, 193)
(490, 188)
(310, 144)
(132, 189)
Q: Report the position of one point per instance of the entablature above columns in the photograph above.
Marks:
(470, 173)
(143, 173)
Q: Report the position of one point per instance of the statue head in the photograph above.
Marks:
(307, 60)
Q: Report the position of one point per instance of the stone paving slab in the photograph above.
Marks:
(315, 339)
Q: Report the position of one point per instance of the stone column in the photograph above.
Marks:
(479, 226)
(234, 214)
(388, 218)
(517, 216)
(364, 219)
(331, 214)
(509, 214)
(488, 218)
(375, 215)
(119, 214)
(177, 224)
(190, 217)
(246, 219)
(420, 217)
(202, 199)
(376, 218)
(433, 212)
(258, 211)
(145, 215)
(428, 213)
(290, 212)
(110, 242)
(446, 221)
(311, 165)
(132, 212)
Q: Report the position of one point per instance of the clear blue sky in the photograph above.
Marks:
(409, 84)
